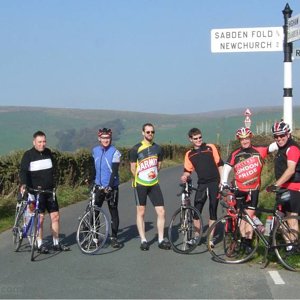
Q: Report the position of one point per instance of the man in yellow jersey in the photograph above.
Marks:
(145, 161)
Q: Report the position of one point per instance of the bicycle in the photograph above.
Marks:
(229, 246)
(94, 225)
(186, 226)
(27, 221)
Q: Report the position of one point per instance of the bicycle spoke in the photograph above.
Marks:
(92, 231)
(286, 242)
(226, 244)
(184, 235)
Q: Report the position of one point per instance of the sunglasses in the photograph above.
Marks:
(197, 138)
(279, 136)
(148, 132)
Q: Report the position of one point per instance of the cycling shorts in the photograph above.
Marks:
(46, 202)
(248, 198)
(153, 192)
(293, 205)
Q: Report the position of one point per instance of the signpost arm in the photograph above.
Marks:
(287, 88)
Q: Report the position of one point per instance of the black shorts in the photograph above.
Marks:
(249, 198)
(46, 202)
(153, 192)
(293, 205)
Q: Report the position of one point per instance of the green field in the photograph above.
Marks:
(18, 123)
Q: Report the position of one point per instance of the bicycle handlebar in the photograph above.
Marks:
(186, 188)
(40, 190)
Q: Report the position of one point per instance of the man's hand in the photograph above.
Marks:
(272, 188)
(186, 177)
(224, 186)
(107, 190)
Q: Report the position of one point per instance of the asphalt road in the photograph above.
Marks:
(131, 273)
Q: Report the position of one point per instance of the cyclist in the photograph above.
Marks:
(106, 174)
(247, 163)
(205, 160)
(287, 169)
(37, 172)
(145, 162)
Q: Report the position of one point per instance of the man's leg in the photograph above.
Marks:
(57, 246)
(160, 211)
(55, 225)
(140, 215)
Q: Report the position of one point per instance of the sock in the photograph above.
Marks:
(159, 240)
(39, 242)
(143, 240)
(55, 241)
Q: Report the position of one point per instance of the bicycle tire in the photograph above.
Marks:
(224, 242)
(92, 231)
(282, 232)
(18, 227)
(182, 230)
(35, 234)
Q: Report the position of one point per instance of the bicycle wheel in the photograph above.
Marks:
(18, 226)
(34, 231)
(185, 229)
(284, 237)
(92, 231)
(225, 243)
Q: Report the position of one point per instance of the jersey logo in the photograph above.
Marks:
(248, 171)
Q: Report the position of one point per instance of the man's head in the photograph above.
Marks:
(104, 136)
(195, 137)
(281, 133)
(148, 132)
(39, 141)
(244, 135)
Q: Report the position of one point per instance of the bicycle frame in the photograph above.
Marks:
(242, 213)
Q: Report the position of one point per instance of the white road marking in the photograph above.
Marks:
(276, 277)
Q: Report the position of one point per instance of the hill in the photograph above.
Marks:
(69, 128)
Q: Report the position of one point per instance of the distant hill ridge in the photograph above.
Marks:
(67, 128)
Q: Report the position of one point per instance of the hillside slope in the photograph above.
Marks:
(18, 123)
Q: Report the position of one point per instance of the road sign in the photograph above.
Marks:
(293, 29)
(247, 39)
(247, 112)
(296, 53)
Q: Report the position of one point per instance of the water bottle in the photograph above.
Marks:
(268, 225)
(259, 224)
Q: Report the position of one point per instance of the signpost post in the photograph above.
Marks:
(287, 69)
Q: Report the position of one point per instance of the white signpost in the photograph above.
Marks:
(293, 29)
(247, 39)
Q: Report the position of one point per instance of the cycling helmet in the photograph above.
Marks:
(104, 131)
(243, 133)
(280, 128)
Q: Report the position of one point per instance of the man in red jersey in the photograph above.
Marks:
(287, 170)
(247, 163)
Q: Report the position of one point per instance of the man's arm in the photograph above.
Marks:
(133, 168)
(114, 174)
(225, 173)
(288, 173)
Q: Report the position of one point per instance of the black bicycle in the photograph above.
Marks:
(229, 246)
(94, 225)
(186, 226)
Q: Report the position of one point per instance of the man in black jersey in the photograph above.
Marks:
(37, 172)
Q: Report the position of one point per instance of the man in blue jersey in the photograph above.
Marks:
(106, 175)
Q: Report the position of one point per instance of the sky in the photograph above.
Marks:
(138, 55)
